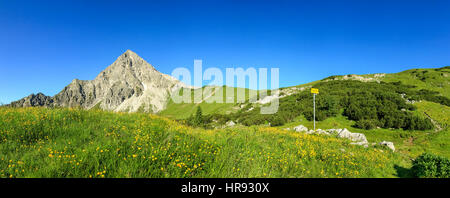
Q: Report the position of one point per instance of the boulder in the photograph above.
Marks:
(365, 144)
(300, 128)
(355, 137)
(334, 131)
(390, 145)
(310, 132)
(320, 131)
(230, 123)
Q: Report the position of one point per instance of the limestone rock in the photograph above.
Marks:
(322, 132)
(355, 137)
(365, 144)
(33, 100)
(390, 145)
(310, 132)
(130, 84)
(230, 123)
(300, 128)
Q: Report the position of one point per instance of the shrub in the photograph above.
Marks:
(369, 104)
(429, 165)
(367, 124)
(197, 119)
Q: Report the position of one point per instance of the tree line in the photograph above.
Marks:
(370, 104)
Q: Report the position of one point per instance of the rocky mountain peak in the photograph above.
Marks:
(131, 59)
(129, 84)
(38, 99)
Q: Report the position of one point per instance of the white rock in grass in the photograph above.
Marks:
(300, 128)
(320, 131)
(390, 145)
(230, 123)
(356, 137)
(365, 144)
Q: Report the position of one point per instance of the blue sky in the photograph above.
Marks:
(46, 44)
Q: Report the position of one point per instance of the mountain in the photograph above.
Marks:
(433, 80)
(130, 84)
(33, 100)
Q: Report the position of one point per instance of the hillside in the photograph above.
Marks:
(184, 110)
(405, 108)
(413, 97)
(40, 142)
(430, 79)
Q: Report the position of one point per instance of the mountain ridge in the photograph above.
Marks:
(129, 84)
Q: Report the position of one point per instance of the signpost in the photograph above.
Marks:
(314, 91)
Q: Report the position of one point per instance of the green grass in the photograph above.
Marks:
(431, 79)
(409, 144)
(39, 142)
(184, 110)
(437, 112)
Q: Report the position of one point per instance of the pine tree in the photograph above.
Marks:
(198, 118)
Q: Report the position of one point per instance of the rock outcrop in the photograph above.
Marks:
(33, 100)
(356, 138)
(300, 128)
(130, 84)
(390, 145)
(230, 123)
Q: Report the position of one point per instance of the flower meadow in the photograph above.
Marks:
(75, 143)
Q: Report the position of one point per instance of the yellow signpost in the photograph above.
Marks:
(314, 91)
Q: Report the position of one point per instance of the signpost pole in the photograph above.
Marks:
(314, 91)
(314, 101)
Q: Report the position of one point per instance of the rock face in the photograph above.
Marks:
(33, 100)
(129, 84)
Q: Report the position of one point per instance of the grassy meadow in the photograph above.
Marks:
(41, 142)
(63, 142)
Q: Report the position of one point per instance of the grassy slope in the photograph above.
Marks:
(429, 141)
(431, 79)
(410, 143)
(38, 142)
(90, 142)
(184, 110)
(434, 79)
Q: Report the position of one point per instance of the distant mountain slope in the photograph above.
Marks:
(129, 84)
(184, 110)
(430, 79)
(437, 79)
(33, 100)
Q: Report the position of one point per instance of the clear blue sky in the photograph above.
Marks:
(46, 44)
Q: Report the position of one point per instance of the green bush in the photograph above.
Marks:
(367, 124)
(370, 104)
(431, 166)
(197, 119)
